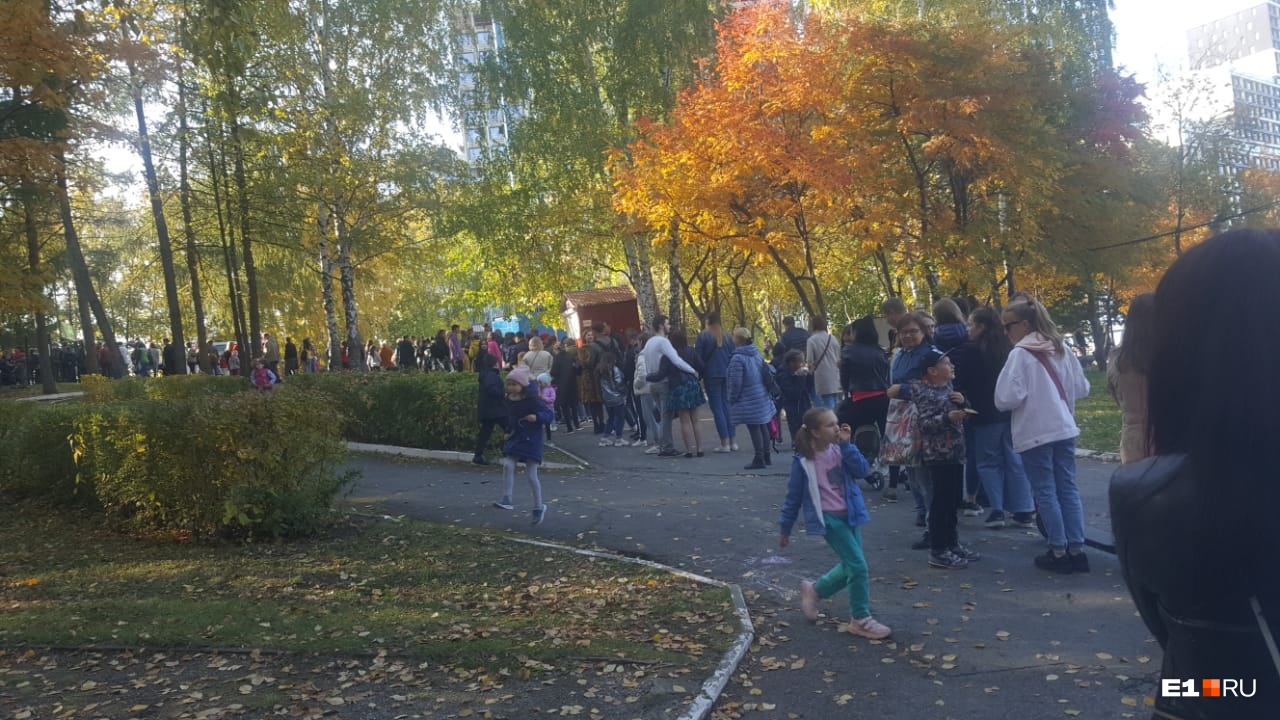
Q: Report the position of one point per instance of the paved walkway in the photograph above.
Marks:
(1000, 636)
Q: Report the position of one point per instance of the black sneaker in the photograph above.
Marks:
(923, 543)
(947, 560)
(965, 553)
(995, 520)
(479, 460)
(1023, 519)
(970, 509)
(1079, 562)
(922, 520)
(1060, 564)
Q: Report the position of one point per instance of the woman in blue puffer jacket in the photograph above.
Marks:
(749, 402)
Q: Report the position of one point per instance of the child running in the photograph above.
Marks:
(824, 481)
(526, 414)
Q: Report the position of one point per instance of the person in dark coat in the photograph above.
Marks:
(793, 338)
(564, 377)
(489, 408)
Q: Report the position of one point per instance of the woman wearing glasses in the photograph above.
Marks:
(1040, 384)
(914, 342)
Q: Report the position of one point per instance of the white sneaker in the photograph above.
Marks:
(640, 443)
(734, 447)
(605, 443)
(554, 427)
(651, 450)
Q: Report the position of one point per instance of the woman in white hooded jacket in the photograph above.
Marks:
(1039, 385)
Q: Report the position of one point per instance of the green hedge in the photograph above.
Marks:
(204, 455)
(223, 464)
(172, 387)
(248, 463)
(35, 453)
(436, 411)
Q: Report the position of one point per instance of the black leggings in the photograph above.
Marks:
(568, 410)
(760, 442)
(948, 487)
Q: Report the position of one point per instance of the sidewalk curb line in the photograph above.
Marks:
(446, 455)
(715, 684)
(1097, 455)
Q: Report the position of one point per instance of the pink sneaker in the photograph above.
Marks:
(870, 628)
(809, 601)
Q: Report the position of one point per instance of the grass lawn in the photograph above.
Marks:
(1098, 416)
(420, 591)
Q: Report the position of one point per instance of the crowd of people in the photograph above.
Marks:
(982, 401)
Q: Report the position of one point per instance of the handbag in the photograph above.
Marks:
(901, 434)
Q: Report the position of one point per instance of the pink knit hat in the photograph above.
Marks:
(520, 375)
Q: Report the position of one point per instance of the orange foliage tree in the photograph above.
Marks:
(925, 150)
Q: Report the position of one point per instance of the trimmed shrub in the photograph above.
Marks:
(36, 461)
(240, 464)
(173, 387)
(436, 411)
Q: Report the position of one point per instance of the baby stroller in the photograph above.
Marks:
(866, 437)
(867, 440)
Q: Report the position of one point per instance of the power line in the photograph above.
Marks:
(1216, 219)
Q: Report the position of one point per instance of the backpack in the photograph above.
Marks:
(770, 382)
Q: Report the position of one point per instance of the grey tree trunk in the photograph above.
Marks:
(246, 243)
(47, 385)
(87, 336)
(188, 226)
(84, 285)
(162, 227)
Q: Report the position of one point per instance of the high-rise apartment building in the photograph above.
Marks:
(1239, 55)
(484, 118)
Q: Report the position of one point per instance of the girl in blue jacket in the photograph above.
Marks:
(526, 416)
(824, 482)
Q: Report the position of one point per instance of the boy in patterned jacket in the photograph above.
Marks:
(941, 413)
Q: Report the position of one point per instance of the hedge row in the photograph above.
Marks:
(206, 455)
(221, 464)
(436, 411)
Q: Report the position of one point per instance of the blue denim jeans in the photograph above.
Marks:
(718, 399)
(616, 415)
(1051, 469)
(1000, 469)
(826, 401)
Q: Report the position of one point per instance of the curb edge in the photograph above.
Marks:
(714, 685)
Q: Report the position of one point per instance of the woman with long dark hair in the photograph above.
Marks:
(1127, 377)
(1195, 524)
(978, 364)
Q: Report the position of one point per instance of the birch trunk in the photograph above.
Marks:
(640, 269)
(334, 341)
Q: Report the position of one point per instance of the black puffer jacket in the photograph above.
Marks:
(863, 368)
(1193, 597)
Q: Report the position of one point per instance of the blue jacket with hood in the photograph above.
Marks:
(802, 493)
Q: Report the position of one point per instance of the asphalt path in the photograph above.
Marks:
(1000, 637)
